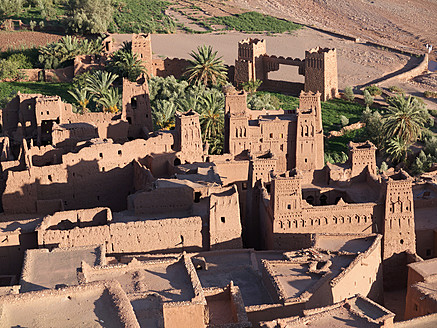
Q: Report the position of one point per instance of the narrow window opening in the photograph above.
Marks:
(223, 219)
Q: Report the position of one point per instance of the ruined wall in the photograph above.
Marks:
(363, 276)
(162, 200)
(169, 66)
(164, 235)
(224, 220)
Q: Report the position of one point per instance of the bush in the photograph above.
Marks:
(349, 93)
(430, 94)
(344, 120)
(396, 89)
(374, 90)
(89, 16)
(10, 7)
(32, 25)
(368, 99)
(9, 70)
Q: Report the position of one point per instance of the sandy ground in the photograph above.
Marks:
(357, 63)
(409, 23)
(26, 39)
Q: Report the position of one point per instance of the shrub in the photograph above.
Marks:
(384, 167)
(396, 89)
(430, 94)
(374, 90)
(344, 120)
(89, 16)
(9, 70)
(349, 93)
(10, 7)
(32, 25)
(41, 25)
(368, 99)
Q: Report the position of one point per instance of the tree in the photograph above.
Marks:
(10, 7)
(89, 16)
(82, 98)
(349, 93)
(251, 86)
(110, 101)
(163, 115)
(126, 64)
(99, 83)
(205, 67)
(368, 99)
(212, 116)
(405, 119)
(32, 25)
(397, 149)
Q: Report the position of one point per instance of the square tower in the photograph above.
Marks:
(321, 72)
(136, 107)
(142, 46)
(362, 155)
(188, 139)
(249, 65)
(309, 133)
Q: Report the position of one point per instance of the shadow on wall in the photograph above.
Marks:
(88, 184)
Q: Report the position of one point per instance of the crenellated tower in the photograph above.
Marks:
(249, 65)
(188, 139)
(142, 46)
(321, 72)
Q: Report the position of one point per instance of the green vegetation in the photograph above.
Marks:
(368, 99)
(62, 53)
(251, 86)
(430, 94)
(26, 57)
(396, 89)
(50, 89)
(37, 11)
(134, 16)
(9, 69)
(126, 64)
(206, 67)
(374, 90)
(89, 16)
(254, 22)
(349, 94)
(10, 7)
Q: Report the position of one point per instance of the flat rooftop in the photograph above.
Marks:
(44, 269)
(91, 305)
(425, 268)
(343, 243)
(167, 278)
(236, 266)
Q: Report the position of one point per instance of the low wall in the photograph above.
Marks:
(415, 71)
(169, 66)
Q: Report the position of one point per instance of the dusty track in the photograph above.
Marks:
(394, 22)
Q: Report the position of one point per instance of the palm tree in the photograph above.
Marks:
(163, 115)
(212, 115)
(398, 148)
(100, 82)
(251, 86)
(205, 67)
(126, 64)
(82, 98)
(405, 119)
(110, 101)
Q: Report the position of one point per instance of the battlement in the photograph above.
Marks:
(250, 48)
(320, 51)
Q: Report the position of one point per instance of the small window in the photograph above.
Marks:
(103, 169)
(271, 135)
(416, 308)
(306, 160)
(223, 219)
(50, 178)
(133, 102)
(101, 155)
(402, 241)
(119, 152)
(289, 207)
(197, 195)
(98, 197)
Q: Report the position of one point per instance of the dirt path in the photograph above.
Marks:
(26, 39)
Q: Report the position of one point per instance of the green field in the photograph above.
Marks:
(49, 89)
(254, 22)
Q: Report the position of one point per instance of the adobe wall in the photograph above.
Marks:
(363, 276)
(186, 315)
(169, 66)
(420, 300)
(59, 75)
(162, 200)
(224, 220)
(164, 235)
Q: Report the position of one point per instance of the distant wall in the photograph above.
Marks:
(169, 66)
(164, 235)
